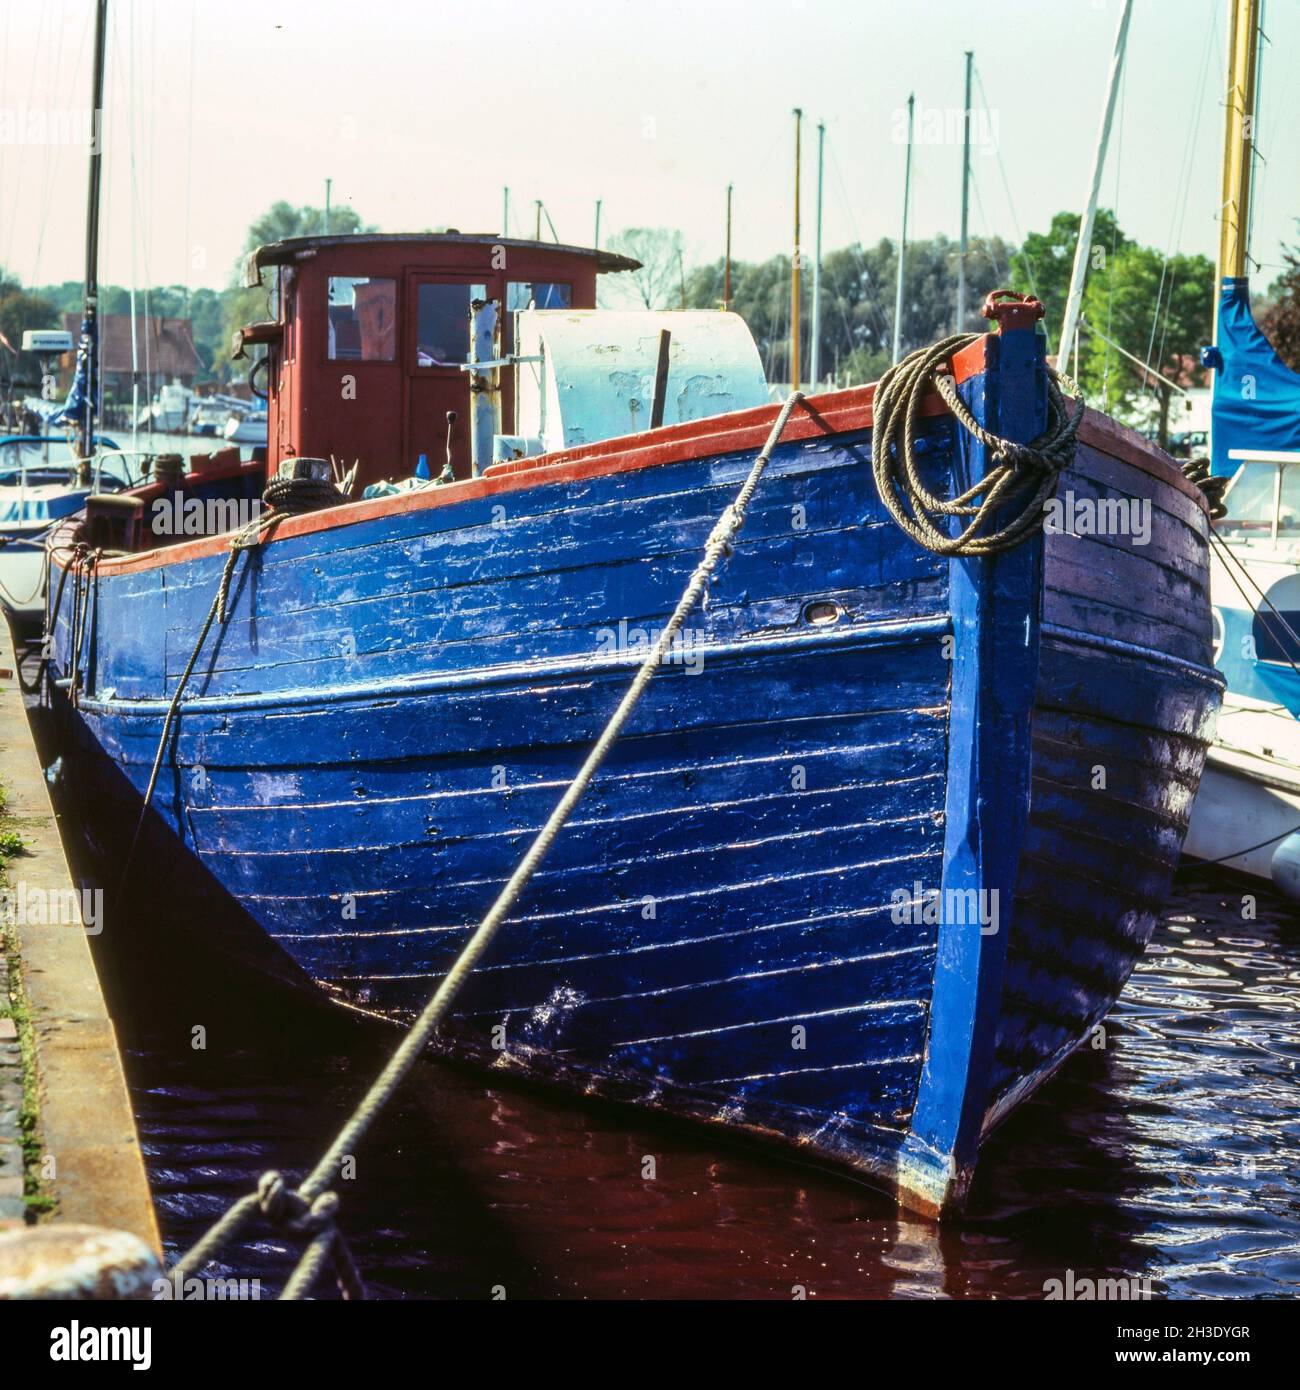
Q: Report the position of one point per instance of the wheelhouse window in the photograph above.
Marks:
(532, 294)
(1288, 517)
(527, 294)
(362, 319)
(1251, 498)
(442, 323)
(1263, 501)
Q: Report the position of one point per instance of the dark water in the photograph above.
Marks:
(1173, 1155)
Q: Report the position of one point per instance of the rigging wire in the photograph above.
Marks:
(987, 239)
(1006, 186)
(52, 163)
(1278, 102)
(22, 160)
(4, 85)
(1177, 220)
(1114, 240)
(882, 325)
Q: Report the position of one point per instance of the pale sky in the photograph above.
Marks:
(421, 112)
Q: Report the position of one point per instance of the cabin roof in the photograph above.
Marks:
(291, 248)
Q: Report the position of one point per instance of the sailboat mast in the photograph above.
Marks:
(815, 350)
(1238, 139)
(1074, 302)
(902, 241)
(794, 262)
(726, 274)
(90, 312)
(965, 200)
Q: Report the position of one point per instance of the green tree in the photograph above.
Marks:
(857, 309)
(208, 316)
(282, 220)
(242, 305)
(1044, 264)
(20, 310)
(1159, 311)
(1280, 317)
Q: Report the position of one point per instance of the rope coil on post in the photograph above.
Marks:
(1024, 476)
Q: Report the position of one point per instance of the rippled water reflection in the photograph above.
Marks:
(1172, 1155)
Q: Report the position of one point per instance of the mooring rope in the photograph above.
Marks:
(81, 608)
(1230, 559)
(283, 497)
(1212, 486)
(311, 1207)
(1023, 475)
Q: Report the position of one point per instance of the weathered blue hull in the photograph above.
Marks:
(877, 851)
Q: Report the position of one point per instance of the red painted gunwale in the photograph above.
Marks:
(832, 413)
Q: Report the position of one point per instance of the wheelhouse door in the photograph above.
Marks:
(436, 347)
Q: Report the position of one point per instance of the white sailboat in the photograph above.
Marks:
(1247, 813)
(46, 477)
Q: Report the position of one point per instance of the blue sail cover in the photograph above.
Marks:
(73, 409)
(1256, 395)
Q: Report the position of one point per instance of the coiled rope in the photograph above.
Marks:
(1024, 476)
(294, 496)
(1198, 471)
(311, 1204)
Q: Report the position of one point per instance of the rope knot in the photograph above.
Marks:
(287, 1209)
(275, 1196)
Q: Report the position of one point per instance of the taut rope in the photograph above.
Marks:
(311, 1207)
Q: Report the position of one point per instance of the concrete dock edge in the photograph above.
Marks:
(86, 1122)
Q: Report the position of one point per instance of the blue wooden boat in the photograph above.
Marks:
(872, 858)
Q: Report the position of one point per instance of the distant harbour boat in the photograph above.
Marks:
(169, 411)
(245, 426)
(888, 831)
(210, 413)
(40, 484)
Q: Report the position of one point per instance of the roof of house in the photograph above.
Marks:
(166, 345)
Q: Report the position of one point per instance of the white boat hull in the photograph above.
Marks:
(22, 581)
(1247, 811)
